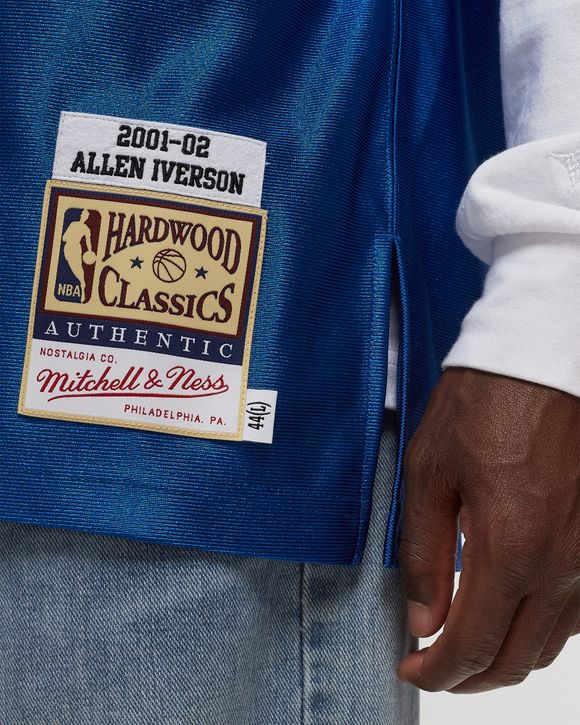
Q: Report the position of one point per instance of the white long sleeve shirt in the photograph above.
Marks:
(520, 212)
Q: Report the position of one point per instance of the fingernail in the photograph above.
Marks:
(419, 619)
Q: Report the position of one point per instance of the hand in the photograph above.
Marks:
(502, 457)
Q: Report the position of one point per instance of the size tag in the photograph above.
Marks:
(143, 309)
(260, 415)
(160, 157)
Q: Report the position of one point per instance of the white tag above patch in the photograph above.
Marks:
(160, 157)
(260, 415)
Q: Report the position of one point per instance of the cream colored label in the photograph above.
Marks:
(135, 259)
(143, 310)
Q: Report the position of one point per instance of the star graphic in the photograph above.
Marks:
(200, 272)
(571, 162)
(136, 262)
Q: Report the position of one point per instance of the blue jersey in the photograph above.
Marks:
(226, 194)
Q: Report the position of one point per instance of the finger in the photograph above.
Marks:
(478, 622)
(523, 645)
(565, 627)
(428, 544)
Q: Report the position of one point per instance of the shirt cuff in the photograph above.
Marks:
(527, 322)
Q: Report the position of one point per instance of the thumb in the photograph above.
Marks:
(428, 541)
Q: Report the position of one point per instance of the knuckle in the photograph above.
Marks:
(509, 677)
(414, 552)
(429, 685)
(571, 560)
(411, 561)
(503, 583)
(512, 548)
(511, 576)
(471, 660)
(515, 553)
(545, 660)
(521, 543)
(515, 579)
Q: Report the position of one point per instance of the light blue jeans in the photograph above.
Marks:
(97, 630)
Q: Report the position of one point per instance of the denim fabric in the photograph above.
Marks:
(97, 630)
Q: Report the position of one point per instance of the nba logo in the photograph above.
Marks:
(78, 254)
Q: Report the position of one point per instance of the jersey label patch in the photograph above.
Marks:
(143, 309)
(159, 157)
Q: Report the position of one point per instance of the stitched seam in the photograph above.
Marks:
(394, 68)
(398, 19)
(115, 120)
(402, 369)
(302, 637)
(394, 522)
(393, 77)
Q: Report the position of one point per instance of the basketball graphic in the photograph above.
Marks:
(89, 257)
(169, 265)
